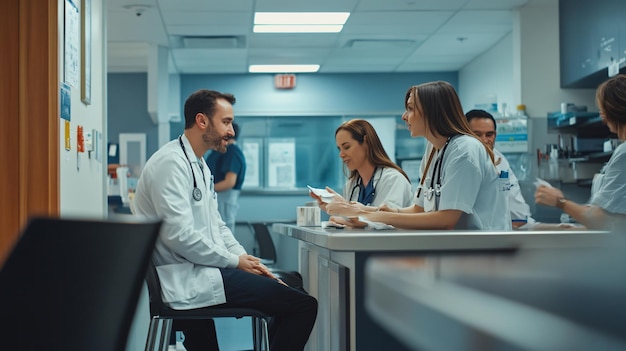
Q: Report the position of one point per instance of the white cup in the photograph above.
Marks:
(308, 216)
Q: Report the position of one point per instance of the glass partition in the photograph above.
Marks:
(290, 152)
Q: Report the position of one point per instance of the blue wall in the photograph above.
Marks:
(128, 108)
(315, 94)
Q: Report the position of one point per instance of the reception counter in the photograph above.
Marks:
(332, 263)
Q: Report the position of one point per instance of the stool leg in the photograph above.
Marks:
(265, 333)
(150, 340)
(256, 343)
(166, 330)
(158, 334)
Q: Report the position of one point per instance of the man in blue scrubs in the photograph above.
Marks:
(229, 170)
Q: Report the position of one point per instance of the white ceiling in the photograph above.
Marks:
(379, 36)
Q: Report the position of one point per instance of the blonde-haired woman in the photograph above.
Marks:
(459, 186)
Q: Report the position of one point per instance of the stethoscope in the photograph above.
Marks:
(372, 194)
(196, 193)
(434, 188)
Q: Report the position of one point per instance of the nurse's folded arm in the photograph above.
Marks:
(441, 219)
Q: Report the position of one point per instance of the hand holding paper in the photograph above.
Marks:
(546, 194)
(322, 195)
(539, 182)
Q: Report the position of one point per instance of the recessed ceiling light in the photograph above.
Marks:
(299, 22)
(297, 28)
(301, 17)
(283, 68)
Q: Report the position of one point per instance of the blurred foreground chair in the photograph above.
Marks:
(74, 284)
(162, 317)
(267, 254)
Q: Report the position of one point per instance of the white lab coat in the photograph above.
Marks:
(390, 186)
(469, 183)
(609, 187)
(518, 206)
(194, 240)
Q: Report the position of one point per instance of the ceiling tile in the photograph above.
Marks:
(409, 5)
(293, 41)
(494, 4)
(206, 5)
(360, 68)
(396, 22)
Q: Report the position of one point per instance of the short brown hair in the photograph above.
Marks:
(203, 101)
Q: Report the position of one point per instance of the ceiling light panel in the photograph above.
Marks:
(283, 68)
(286, 18)
(295, 28)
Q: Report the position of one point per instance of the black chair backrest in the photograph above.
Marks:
(74, 284)
(154, 290)
(267, 250)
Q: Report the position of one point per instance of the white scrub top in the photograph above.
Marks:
(194, 240)
(609, 189)
(390, 187)
(469, 183)
(517, 205)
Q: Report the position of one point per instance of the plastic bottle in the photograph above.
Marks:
(553, 164)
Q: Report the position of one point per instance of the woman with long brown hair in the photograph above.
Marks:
(373, 179)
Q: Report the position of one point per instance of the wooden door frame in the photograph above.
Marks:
(29, 105)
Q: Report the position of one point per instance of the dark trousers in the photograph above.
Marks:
(293, 312)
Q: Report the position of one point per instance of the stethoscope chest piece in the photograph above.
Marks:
(429, 193)
(197, 194)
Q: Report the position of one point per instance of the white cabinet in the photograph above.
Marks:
(328, 281)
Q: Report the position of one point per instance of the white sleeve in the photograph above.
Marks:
(612, 193)
(461, 180)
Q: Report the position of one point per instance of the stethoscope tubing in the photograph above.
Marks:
(196, 192)
(435, 188)
(374, 184)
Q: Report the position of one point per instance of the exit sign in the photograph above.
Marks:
(285, 81)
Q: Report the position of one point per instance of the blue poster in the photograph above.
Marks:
(66, 102)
